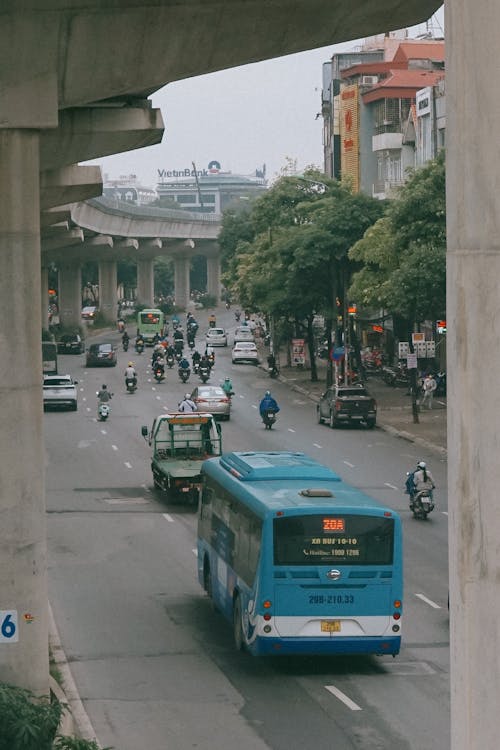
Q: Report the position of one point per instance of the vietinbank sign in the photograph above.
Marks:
(212, 168)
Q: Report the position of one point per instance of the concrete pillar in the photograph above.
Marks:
(44, 293)
(213, 276)
(182, 265)
(70, 294)
(145, 282)
(108, 296)
(473, 339)
(23, 559)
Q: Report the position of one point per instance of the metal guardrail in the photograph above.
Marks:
(122, 208)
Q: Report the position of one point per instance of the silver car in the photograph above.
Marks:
(212, 399)
(216, 337)
(243, 333)
(60, 390)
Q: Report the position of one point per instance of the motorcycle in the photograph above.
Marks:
(139, 348)
(237, 316)
(204, 373)
(170, 360)
(131, 385)
(103, 411)
(159, 374)
(269, 418)
(196, 366)
(125, 345)
(184, 374)
(421, 504)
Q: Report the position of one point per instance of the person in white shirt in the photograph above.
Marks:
(429, 386)
(186, 405)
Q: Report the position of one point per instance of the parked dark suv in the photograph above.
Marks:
(101, 355)
(347, 404)
(70, 343)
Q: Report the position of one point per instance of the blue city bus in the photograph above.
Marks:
(296, 559)
(150, 323)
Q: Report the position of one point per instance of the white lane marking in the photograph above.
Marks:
(241, 396)
(153, 388)
(351, 466)
(390, 485)
(343, 697)
(88, 408)
(115, 447)
(195, 552)
(104, 432)
(128, 464)
(158, 398)
(316, 445)
(253, 406)
(428, 601)
(444, 512)
(168, 517)
(145, 487)
(290, 430)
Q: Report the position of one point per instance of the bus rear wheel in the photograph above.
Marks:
(239, 641)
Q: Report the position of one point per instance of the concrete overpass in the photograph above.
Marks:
(107, 230)
(75, 78)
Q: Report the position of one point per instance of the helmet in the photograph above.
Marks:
(226, 378)
(130, 364)
(104, 386)
(268, 393)
(422, 465)
(188, 395)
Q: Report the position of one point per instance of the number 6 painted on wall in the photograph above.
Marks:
(8, 626)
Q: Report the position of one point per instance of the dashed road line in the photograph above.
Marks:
(343, 697)
(387, 484)
(290, 430)
(115, 447)
(104, 432)
(195, 552)
(254, 406)
(168, 517)
(351, 466)
(317, 445)
(128, 464)
(428, 601)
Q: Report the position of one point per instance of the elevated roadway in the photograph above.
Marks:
(108, 230)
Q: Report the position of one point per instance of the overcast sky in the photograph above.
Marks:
(244, 117)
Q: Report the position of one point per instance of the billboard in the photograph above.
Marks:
(349, 134)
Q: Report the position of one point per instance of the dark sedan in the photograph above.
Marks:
(70, 343)
(101, 355)
(347, 405)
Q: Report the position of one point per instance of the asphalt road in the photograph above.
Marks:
(154, 665)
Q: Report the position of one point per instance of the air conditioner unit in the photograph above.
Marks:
(369, 80)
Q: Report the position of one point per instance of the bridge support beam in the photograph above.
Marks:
(108, 296)
(182, 265)
(24, 656)
(473, 273)
(145, 282)
(70, 294)
(213, 276)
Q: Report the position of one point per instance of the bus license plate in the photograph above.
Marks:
(330, 626)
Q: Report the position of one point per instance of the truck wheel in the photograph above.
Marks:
(332, 421)
(239, 641)
(318, 415)
(370, 423)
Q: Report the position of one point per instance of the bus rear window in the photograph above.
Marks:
(339, 539)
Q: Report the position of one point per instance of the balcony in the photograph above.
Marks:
(387, 142)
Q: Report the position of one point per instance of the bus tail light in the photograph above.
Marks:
(267, 616)
(267, 604)
(396, 604)
(396, 616)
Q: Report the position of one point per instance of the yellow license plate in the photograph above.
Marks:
(330, 626)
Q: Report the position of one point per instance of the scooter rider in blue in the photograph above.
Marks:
(268, 403)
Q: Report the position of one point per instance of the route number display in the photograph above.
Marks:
(8, 626)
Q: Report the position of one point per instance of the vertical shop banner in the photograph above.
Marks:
(298, 352)
(349, 134)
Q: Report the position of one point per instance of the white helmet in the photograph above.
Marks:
(422, 465)
(188, 395)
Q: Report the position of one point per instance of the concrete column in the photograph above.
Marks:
(70, 294)
(182, 265)
(213, 276)
(145, 282)
(473, 356)
(44, 293)
(108, 297)
(23, 560)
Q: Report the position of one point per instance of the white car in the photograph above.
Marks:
(245, 351)
(243, 333)
(60, 390)
(216, 337)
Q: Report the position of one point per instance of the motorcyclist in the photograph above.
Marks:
(196, 356)
(130, 373)
(212, 320)
(159, 362)
(210, 355)
(139, 342)
(418, 480)
(103, 396)
(267, 404)
(227, 387)
(125, 338)
(237, 315)
(187, 405)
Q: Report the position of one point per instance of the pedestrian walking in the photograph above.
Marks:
(428, 387)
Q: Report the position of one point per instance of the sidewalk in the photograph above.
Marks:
(394, 407)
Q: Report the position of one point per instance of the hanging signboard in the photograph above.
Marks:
(298, 352)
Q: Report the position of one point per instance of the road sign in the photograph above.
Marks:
(411, 361)
(337, 354)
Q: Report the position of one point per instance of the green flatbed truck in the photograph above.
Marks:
(180, 443)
